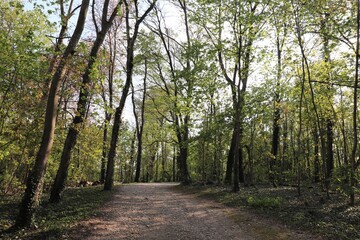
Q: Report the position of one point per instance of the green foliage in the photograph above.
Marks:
(54, 220)
(264, 202)
(23, 62)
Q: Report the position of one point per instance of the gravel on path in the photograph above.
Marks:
(149, 211)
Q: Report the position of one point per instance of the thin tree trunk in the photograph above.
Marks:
(329, 122)
(104, 148)
(163, 160)
(174, 165)
(111, 71)
(316, 156)
(109, 181)
(355, 131)
(140, 125)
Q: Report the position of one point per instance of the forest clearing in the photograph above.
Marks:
(253, 104)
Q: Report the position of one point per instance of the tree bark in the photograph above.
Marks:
(140, 125)
(104, 149)
(33, 189)
(230, 161)
(316, 156)
(355, 110)
(174, 165)
(82, 106)
(109, 181)
(277, 114)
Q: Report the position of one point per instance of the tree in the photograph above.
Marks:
(107, 90)
(130, 40)
(281, 31)
(139, 123)
(356, 84)
(84, 99)
(246, 22)
(23, 64)
(33, 190)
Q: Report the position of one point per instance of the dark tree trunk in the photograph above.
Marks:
(281, 33)
(108, 102)
(104, 149)
(140, 125)
(355, 110)
(109, 178)
(316, 157)
(184, 173)
(329, 153)
(138, 160)
(163, 160)
(345, 147)
(329, 148)
(109, 181)
(230, 161)
(275, 143)
(82, 106)
(237, 132)
(33, 189)
(61, 175)
(174, 165)
(182, 136)
(241, 166)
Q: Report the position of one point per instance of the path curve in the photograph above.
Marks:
(149, 211)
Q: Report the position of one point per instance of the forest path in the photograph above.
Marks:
(159, 211)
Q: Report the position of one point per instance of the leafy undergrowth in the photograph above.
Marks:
(53, 220)
(313, 211)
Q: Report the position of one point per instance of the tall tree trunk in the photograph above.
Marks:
(345, 146)
(277, 113)
(109, 181)
(241, 165)
(306, 74)
(174, 165)
(82, 105)
(284, 157)
(33, 189)
(355, 102)
(182, 136)
(184, 150)
(163, 160)
(237, 132)
(113, 50)
(329, 121)
(140, 125)
(104, 148)
(316, 156)
(329, 147)
(230, 161)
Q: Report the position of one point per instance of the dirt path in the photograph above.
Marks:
(158, 211)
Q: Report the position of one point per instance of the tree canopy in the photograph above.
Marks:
(232, 92)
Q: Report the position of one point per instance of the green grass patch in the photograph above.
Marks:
(331, 218)
(264, 201)
(53, 220)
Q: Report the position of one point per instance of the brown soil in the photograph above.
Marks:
(159, 211)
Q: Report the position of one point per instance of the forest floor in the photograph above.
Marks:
(166, 211)
(315, 211)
